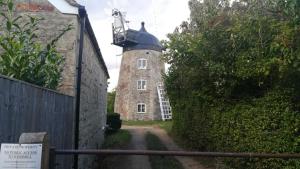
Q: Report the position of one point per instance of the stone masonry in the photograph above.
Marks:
(49, 29)
(127, 95)
(93, 103)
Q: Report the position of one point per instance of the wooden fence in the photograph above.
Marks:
(28, 108)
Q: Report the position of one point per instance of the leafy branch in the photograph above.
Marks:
(22, 56)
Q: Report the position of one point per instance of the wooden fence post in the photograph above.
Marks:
(38, 138)
(52, 158)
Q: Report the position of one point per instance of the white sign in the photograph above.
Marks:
(20, 156)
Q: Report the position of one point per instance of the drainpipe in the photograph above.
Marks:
(82, 17)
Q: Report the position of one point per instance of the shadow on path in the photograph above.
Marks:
(133, 161)
(138, 142)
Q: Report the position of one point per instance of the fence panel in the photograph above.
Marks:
(27, 108)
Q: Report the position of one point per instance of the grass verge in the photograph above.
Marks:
(118, 139)
(159, 162)
(141, 123)
(166, 125)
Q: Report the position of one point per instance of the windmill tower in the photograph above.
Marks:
(139, 95)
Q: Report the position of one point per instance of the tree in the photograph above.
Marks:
(111, 101)
(234, 79)
(22, 56)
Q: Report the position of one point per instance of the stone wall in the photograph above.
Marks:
(93, 101)
(127, 95)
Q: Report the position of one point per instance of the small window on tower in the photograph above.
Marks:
(141, 108)
(141, 84)
(142, 63)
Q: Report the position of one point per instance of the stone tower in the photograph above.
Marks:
(140, 73)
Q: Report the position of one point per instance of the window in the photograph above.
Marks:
(141, 108)
(141, 84)
(142, 63)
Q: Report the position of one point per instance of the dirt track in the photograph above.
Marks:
(138, 143)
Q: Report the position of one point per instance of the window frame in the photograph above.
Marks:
(140, 87)
(145, 108)
(140, 65)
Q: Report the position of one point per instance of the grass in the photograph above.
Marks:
(141, 123)
(166, 125)
(159, 162)
(118, 139)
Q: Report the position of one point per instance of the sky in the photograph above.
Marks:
(160, 16)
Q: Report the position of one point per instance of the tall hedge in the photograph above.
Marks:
(234, 79)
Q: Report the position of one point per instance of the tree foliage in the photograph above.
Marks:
(111, 101)
(234, 79)
(22, 56)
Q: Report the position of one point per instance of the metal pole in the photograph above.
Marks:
(82, 15)
(176, 153)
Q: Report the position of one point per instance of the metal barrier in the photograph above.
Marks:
(54, 152)
(174, 153)
(48, 159)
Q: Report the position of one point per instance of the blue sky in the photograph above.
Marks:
(161, 17)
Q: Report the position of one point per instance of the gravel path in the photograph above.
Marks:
(187, 162)
(138, 143)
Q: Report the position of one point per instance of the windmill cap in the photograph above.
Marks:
(144, 40)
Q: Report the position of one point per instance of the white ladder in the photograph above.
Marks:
(165, 107)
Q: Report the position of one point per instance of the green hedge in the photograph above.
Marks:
(268, 124)
(234, 80)
(113, 122)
